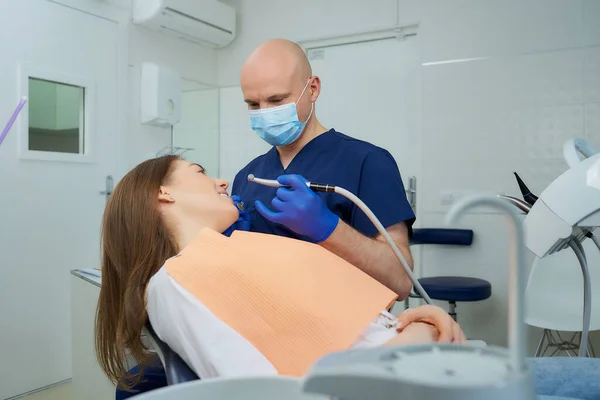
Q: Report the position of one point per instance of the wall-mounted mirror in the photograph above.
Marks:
(198, 127)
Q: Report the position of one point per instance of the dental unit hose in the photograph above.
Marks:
(595, 240)
(319, 187)
(577, 248)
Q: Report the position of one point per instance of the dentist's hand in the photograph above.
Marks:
(243, 221)
(300, 209)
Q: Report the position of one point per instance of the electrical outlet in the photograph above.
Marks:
(449, 197)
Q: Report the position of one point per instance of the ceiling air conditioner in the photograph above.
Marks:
(207, 22)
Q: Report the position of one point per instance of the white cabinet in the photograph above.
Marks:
(89, 382)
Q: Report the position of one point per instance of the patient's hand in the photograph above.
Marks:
(449, 330)
(415, 333)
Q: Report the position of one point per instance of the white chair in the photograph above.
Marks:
(259, 388)
(554, 299)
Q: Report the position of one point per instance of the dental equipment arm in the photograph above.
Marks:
(574, 146)
(580, 254)
(568, 207)
(318, 187)
(440, 371)
(566, 213)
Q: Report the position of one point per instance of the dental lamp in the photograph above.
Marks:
(565, 214)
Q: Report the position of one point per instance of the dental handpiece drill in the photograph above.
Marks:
(319, 187)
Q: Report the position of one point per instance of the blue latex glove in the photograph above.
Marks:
(300, 209)
(243, 221)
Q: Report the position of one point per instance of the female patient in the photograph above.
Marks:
(155, 211)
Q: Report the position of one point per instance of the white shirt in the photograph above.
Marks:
(209, 346)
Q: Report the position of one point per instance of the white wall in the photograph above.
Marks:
(42, 272)
(511, 111)
(537, 84)
(267, 19)
(333, 17)
(191, 61)
(238, 143)
(51, 227)
(199, 128)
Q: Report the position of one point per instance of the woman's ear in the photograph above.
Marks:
(164, 196)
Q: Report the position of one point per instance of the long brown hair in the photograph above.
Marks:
(135, 244)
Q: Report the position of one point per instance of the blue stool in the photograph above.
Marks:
(450, 288)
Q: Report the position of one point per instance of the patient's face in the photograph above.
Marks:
(191, 193)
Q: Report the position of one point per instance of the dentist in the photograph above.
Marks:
(281, 93)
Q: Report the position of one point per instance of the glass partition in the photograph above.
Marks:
(197, 133)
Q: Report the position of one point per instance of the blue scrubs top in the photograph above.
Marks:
(368, 171)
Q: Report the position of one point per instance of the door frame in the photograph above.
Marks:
(122, 148)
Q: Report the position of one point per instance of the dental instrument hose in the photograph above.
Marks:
(319, 187)
(587, 294)
(595, 240)
(360, 204)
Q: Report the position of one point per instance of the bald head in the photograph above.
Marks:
(277, 57)
(277, 73)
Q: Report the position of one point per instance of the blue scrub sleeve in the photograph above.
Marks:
(382, 190)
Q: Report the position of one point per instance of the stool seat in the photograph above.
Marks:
(456, 288)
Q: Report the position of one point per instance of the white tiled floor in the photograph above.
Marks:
(59, 392)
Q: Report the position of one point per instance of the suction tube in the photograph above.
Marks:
(319, 187)
(577, 248)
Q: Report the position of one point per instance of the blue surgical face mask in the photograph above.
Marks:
(279, 126)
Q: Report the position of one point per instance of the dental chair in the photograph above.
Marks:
(452, 289)
(167, 370)
(176, 370)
